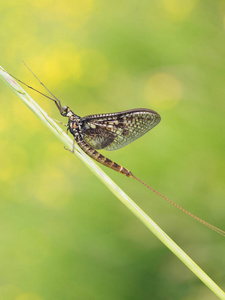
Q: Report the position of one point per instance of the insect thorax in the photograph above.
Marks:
(74, 125)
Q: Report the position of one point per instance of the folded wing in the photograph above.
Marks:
(116, 130)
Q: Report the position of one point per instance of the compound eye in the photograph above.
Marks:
(65, 108)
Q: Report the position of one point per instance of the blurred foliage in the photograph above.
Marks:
(62, 234)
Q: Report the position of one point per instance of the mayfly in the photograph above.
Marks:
(111, 131)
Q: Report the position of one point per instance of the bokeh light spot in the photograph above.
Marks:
(163, 90)
(3, 124)
(28, 296)
(179, 9)
(73, 14)
(58, 66)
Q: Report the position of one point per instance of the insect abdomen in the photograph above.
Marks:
(102, 159)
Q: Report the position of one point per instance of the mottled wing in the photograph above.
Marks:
(116, 130)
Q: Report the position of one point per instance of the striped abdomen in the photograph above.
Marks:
(102, 159)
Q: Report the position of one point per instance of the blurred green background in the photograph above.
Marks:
(63, 235)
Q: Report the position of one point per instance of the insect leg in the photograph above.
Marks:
(59, 122)
(73, 148)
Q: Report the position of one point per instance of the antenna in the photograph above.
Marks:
(30, 87)
(56, 100)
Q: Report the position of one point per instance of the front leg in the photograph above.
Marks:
(59, 122)
(73, 148)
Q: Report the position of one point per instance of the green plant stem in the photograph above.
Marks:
(114, 188)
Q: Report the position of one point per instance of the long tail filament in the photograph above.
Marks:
(218, 230)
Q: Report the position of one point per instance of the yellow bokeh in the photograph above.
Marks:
(69, 8)
(58, 65)
(177, 9)
(87, 67)
(163, 90)
(28, 296)
(73, 14)
(3, 124)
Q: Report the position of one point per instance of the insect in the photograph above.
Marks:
(105, 131)
(110, 132)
